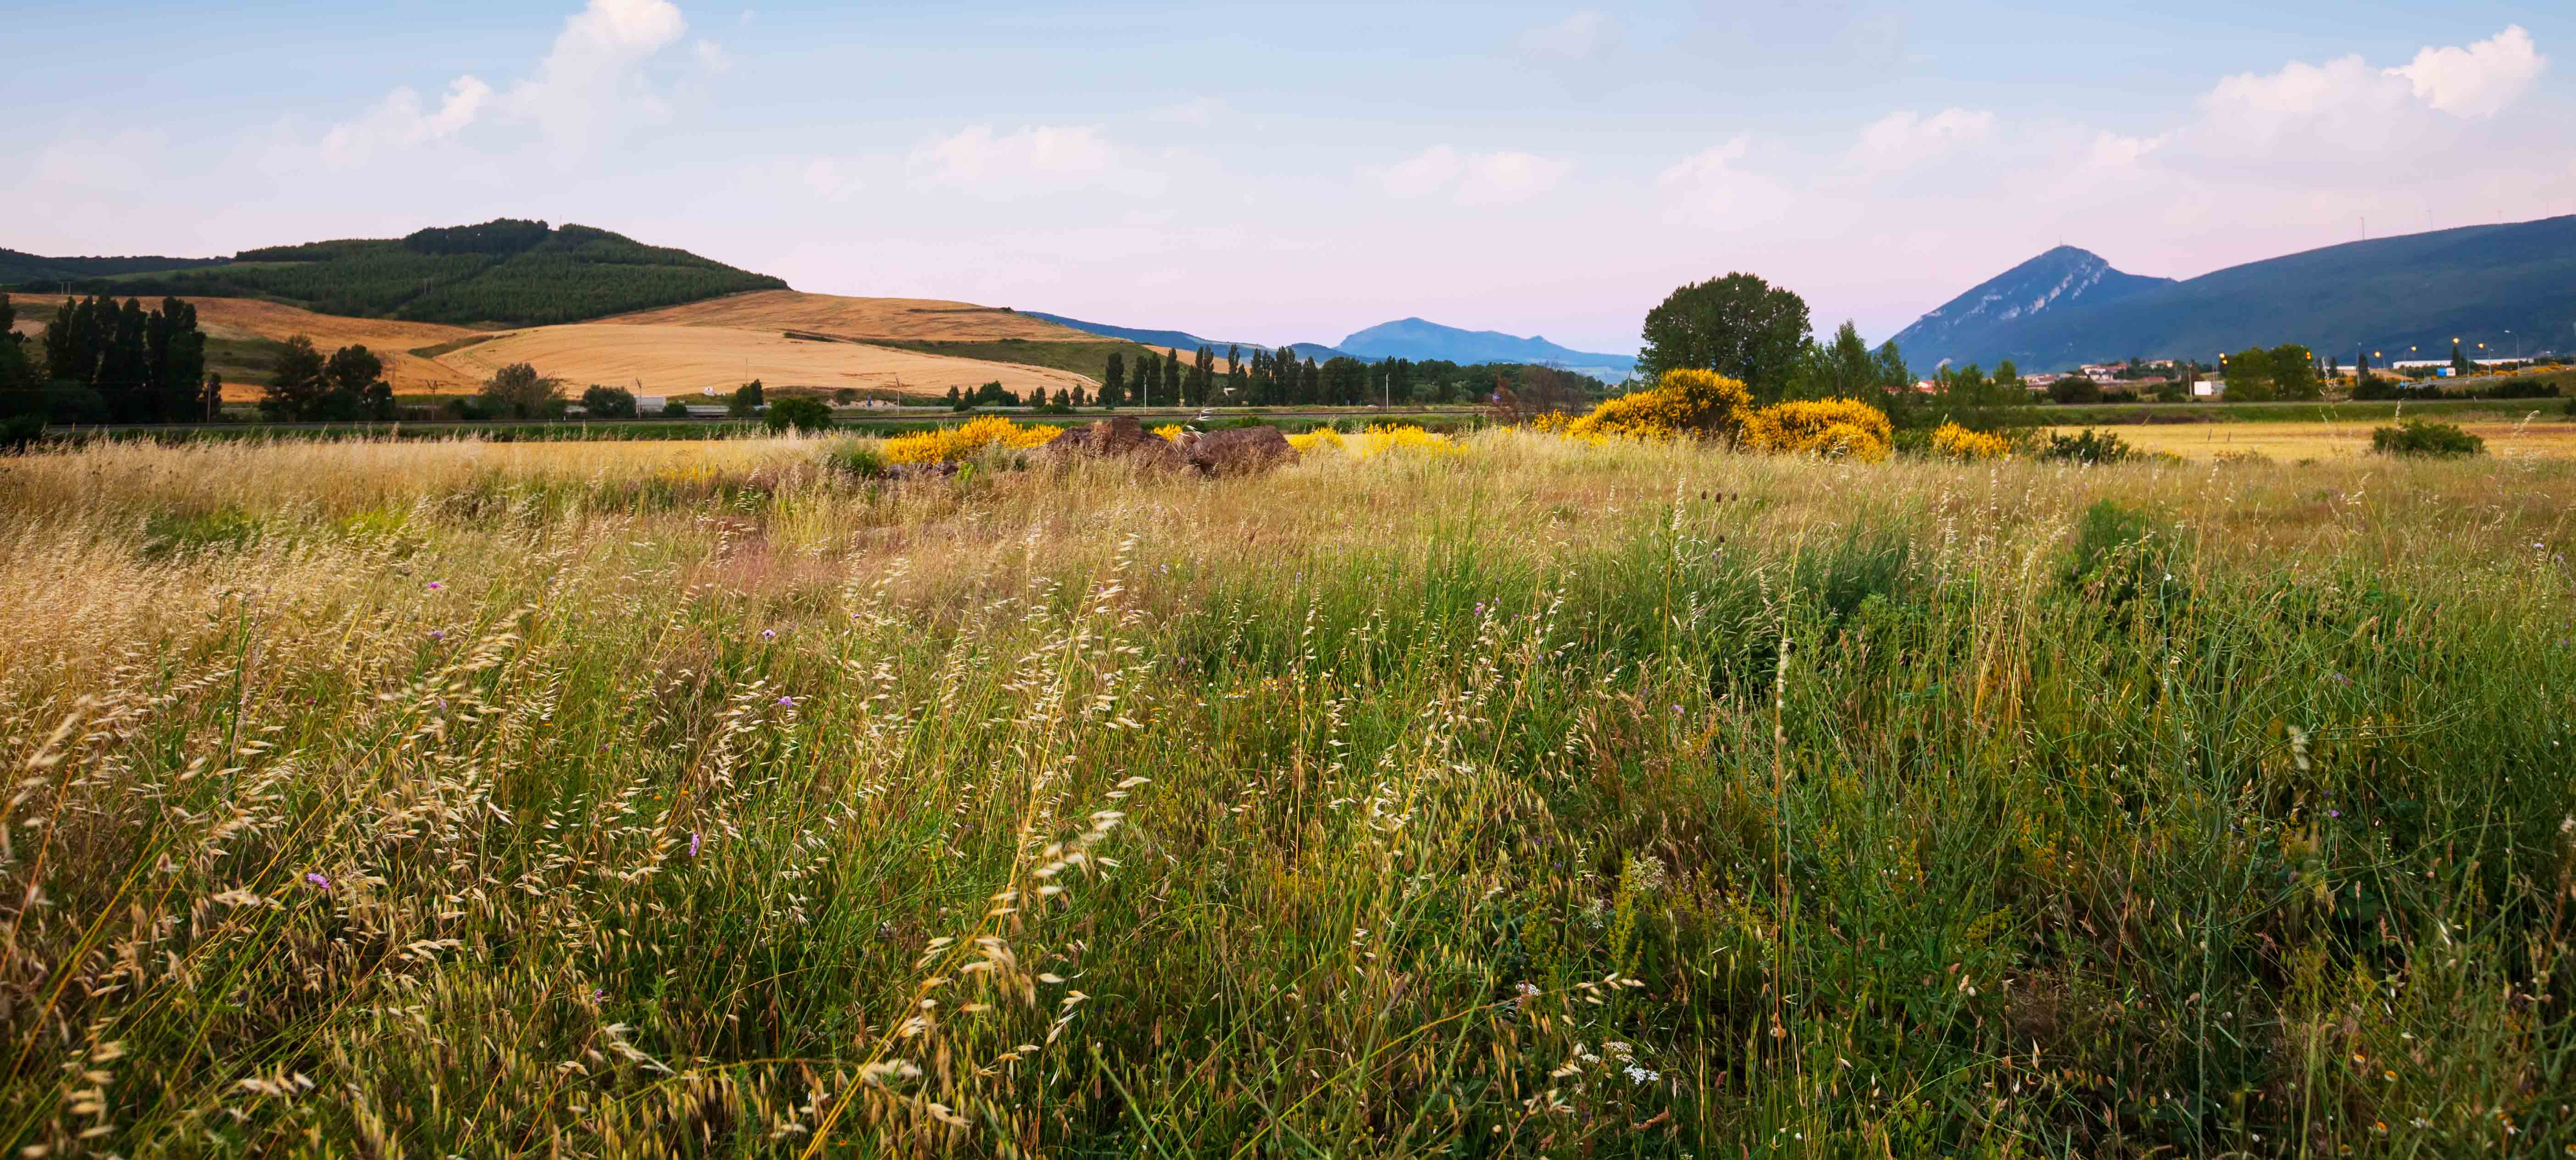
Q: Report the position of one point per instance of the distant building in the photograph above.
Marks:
(2209, 389)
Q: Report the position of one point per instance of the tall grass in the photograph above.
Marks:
(1542, 799)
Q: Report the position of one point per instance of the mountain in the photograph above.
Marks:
(504, 272)
(17, 267)
(2501, 284)
(1982, 319)
(1413, 338)
(1180, 339)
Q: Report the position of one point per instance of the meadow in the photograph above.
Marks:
(1518, 797)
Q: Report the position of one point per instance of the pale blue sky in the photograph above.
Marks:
(1281, 172)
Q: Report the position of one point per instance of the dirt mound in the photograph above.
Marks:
(1119, 438)
(1239, 451)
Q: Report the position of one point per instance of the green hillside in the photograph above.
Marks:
(505, 272)
(18, 267)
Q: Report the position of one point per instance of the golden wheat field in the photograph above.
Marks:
(899, 319)
(671, 359)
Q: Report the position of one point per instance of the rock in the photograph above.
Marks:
(1238, 451)
(1119, 438)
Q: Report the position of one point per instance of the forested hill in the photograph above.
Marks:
(505, 272)
(17, 267)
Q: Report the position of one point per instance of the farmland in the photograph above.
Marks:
(677, 359)
(1518, 797)
(2551, 436)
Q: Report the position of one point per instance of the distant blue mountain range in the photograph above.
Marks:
(1179, 339)
(1410, 338)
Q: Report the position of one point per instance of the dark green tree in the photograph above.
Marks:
(296, 384)
(805, 414)
(601, 402)
(1113, 381)
(1739, 326)
(2460, 364)
(210, 399)
(747, 400)
(357, 387)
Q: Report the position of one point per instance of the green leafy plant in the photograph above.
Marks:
(2424, 438)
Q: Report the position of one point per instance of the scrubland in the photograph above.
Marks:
(1527, 797)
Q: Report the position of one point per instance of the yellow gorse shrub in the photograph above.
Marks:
(967, 439)
(1957, 442)
(1385, 437)
(1834, 428)
(1171, 432)
(1682, 402)
(1319, 439)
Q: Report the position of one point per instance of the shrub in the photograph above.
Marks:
(2089, 446)
(1319, 439)
(608, 403)
(673, 408)
(1833, 428)
(1953, 441)
(747, 400)
(2422, 437)
(851, 457)
(1682, 402)
(966, 439)
(17, 432)
(1385, 437)
(805, 415)
(2075, 389)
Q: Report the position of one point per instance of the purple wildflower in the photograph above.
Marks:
(693, 843)
(435, 586)
(318, 880)
(768, 634)
(787, 702)
(435, 634)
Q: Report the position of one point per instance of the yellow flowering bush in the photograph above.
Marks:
(967, 439)
(1957, 442)
(1834, 428)
(1319, 439)
(1385, 437)
(1171, 432)
(1682, 402)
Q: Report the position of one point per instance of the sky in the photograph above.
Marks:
(1295, 172)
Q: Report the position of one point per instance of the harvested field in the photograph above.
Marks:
(675, 359)
(249, 318)
(909, 319)
(2548, 436)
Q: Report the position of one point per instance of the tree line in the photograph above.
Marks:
(102, 361)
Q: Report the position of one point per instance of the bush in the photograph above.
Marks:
(1682, 402)
(2421, 437)
(966, 439)
(853, 458)
(608, 403)
(2075, 389)
(2090, 446)
(1953, 441)
(747, 400)
(673, 408)
(18, 432)
(805, 415)
(1833, 428)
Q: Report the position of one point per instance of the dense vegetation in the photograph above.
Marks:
(506, 272)
(1533, 798)
(41, 273)
(100, 361)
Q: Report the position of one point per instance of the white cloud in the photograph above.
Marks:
(400, 120)
(1422, 174)
(587, 81)
(1585, 35)
(1505, 177)
(2476, 81)
(2113, 151)
(1032, 161)
(1509, 177)
(1905, 139)
(1712, 188)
